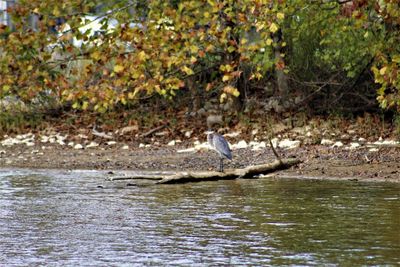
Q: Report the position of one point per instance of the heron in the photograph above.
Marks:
(219, 144)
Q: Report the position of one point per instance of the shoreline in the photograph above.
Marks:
(319, 162)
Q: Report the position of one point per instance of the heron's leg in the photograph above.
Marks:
(221, 164)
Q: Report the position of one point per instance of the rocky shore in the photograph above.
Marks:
(327, 155)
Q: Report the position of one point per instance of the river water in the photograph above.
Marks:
(56, 218)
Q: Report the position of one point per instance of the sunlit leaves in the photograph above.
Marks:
(129, 55)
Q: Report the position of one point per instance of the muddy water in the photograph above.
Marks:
(66, 219)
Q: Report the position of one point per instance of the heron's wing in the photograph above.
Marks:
(222, 146)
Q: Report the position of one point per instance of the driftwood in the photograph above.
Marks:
(197, 176)
(150, 132)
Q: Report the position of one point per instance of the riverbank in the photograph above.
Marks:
(361, 161)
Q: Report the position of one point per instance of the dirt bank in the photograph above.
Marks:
(323, 162)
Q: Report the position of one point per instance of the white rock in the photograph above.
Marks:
(71, 144)
(125, 147)
(30, 144)
(386, 142)
(289, 144)
(52, 139)
(201, 146)
(188, 134)
(148, 145)
(187, 150)
(239, 145)
(44, 139)
(141, 145)
(362, 139)
(337, 144)
(374, 149)
(60, 142)
(61, 137)
(78, 146)
(92, 144)
(171, 143)
(257, 145)
(8, 142)
(353, 146)
(196, 143)
(254, 131)
(111, 143)
(83, 136)
(327, 142)
(234, 134)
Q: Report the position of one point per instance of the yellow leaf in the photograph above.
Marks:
(85, 105)
(118, 68)
(222, 98)
(226, 78)
(187, 70)
(6, 88)
(269, 41)
(231, 49)
(30, 67)
(142, 55)
(231, 90)
(56, 12)
(193, 60)
(382, 70)
(280, 15)
(96, 55)
(273, 28)
(194, 49)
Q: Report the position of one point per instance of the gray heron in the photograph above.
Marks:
(219, 144)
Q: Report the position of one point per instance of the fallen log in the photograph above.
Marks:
(248, 172)
(197, 176)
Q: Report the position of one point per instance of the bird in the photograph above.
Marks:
(219, 144)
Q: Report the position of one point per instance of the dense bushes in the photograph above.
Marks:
(125, 51)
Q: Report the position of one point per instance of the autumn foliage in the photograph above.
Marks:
(51, 50)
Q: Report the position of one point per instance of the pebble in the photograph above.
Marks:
(234, 134)
(111, 143)
(327, 142)
(337, 144)
(289, 144)
(125, 147)
(353, 146)
(141, 145)
(188, 134)
(187, 150)
(78, 146)
(239, 145)
(257, 145)
(382, 142)
(92, 144)
(201, 146)
(171, 143)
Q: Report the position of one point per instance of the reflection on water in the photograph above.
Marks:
(65, 219)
